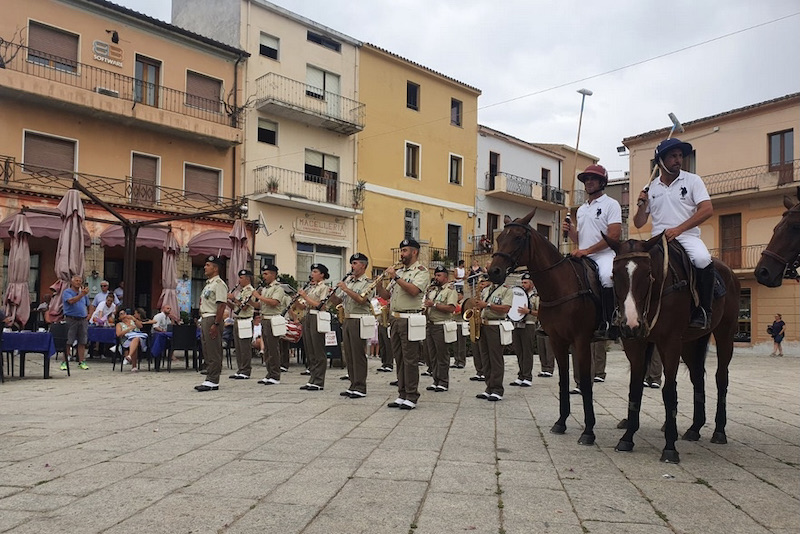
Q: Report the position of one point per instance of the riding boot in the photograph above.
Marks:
(701, 316)
(607, 329)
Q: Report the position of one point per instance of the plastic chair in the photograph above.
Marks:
(184, 337)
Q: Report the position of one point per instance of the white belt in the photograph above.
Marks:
(533, 322)
(439, 323)
(209, 315)
(398, 315)
(492, 323)
(358, 315)
(313, 312)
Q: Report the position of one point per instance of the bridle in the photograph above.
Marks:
(647, 324)
(774, 255)
(513, 258)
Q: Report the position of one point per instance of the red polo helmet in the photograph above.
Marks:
(594, 171)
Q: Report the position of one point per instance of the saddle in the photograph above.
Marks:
(678, 256)
(591, 283)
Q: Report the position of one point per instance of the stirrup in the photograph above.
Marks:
(700, 319)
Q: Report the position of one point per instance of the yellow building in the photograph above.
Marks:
(418, 156)
(141, 112)
(747, 158)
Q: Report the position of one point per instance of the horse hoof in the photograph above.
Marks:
(558, 429)
(670, 457)
(691, 435)
(586, 439)
(623, 425)
(719, 437)
(624, 446)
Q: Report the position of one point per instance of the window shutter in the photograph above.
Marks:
(268, 46)
(203, 92)
(46, 152)
(53, 42)
(201, 183)
(315, 78)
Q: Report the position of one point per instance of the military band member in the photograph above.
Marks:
(494, 303)
(270, 300)
(524, 338)
(356, 307)
(405, 300)
(212, 309)
(440, 304)
(479, 358)
(313, 339)
(241, 303)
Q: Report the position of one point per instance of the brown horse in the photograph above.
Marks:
(567, 308)
(655, 308)
(783, 249)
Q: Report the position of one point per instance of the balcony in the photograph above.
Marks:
(742, 260)
(524, 191)
(298, 190)
(128, 192)
(87, 89)
(298, 101)
(752, 181)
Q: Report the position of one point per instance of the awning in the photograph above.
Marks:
(146, 237)
(211, 242)
(41, 225)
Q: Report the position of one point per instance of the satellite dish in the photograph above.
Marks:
(262, 223)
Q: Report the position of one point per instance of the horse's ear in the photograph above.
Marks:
(788, 202)
(613, 244)
(527, 218)
(653, 241)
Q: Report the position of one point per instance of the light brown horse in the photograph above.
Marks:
(567, 309)
(655, 308)
(783, 250)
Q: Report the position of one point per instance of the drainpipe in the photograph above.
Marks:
(238, 118)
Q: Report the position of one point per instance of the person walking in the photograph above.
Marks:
(212, 310)
(778, 332)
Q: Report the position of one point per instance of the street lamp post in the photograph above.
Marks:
(584, 93)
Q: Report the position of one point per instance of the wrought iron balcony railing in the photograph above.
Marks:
(525, 187)
(752, 178)
(272, 88)
(299, 185)
(114, 85)
(739, 257)
(131, 192)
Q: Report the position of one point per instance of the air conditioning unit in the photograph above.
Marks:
(107, 92)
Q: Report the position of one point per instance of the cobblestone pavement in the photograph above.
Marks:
(113, 452)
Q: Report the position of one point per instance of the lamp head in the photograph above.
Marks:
(585, 92)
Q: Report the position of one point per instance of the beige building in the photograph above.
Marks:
(142, 113)
(417, 156)
(298, 163)
(747, 158)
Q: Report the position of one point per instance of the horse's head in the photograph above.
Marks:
(784, 247)
(633, 283)
(512, 244)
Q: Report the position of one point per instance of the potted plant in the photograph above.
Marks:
(358, 194)
(272, 185)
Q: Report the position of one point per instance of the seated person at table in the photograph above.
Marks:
(129, 332)
(161, 320)
(258, 341)
(227, 331)
(103, 315)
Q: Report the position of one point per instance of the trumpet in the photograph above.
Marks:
(379, 279)
(339, 307)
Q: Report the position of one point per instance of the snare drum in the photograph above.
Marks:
(294, 331)
(519, 300)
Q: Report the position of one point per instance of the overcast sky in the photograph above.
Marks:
(642, 58)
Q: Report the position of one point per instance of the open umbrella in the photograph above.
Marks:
(17, 299)
(239, 252)
(169, 275)
(70, 252)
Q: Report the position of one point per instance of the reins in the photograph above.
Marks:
(649, 325)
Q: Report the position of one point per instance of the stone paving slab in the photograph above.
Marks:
(122, 453)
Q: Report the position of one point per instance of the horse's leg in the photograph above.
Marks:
(583, 359)
(670, 357)
(694, 355)
(561, 351)
(638, 352)
(723, 336)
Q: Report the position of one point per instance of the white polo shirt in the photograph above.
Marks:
(594, 217)
(672, 205)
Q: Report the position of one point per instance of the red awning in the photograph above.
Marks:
(41, 225)
(147, 237)
(211, 242)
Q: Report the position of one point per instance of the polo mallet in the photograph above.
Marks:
(676, 125)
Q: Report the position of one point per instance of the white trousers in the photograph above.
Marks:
(605, 264)
(696, 250)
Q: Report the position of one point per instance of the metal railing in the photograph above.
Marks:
(273, 87)
(433, 257)
(746, 257)
(129, 191)
(752, 178)
(299, 185)
(526, 187)
(114, 85)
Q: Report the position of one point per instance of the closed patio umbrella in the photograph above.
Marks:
(70, 252)
(239, 252)
(169, 275)
(17, 299)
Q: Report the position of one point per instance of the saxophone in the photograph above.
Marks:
(473, 317)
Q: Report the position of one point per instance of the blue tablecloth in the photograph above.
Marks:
(160, 343)
(102, 334)
(40, 342)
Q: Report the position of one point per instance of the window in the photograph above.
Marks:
(267, 132)
(201, 183)
(320, 82)
(203, 92)
(545, 177)
(412, 96)
(456, 166)
(52, 48)
(411, 226)
(144, 177)
(544, 229)
(412, 160)
(263, 259)
(491, 225)
(455, 112)
(781, 154)
(43, 153)
(268, 46)
(324, 41)
(453, 242)
(145, 88)
(323, 169)
(730, 229)
(494, 168)
(744, 331)
(331, 257)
